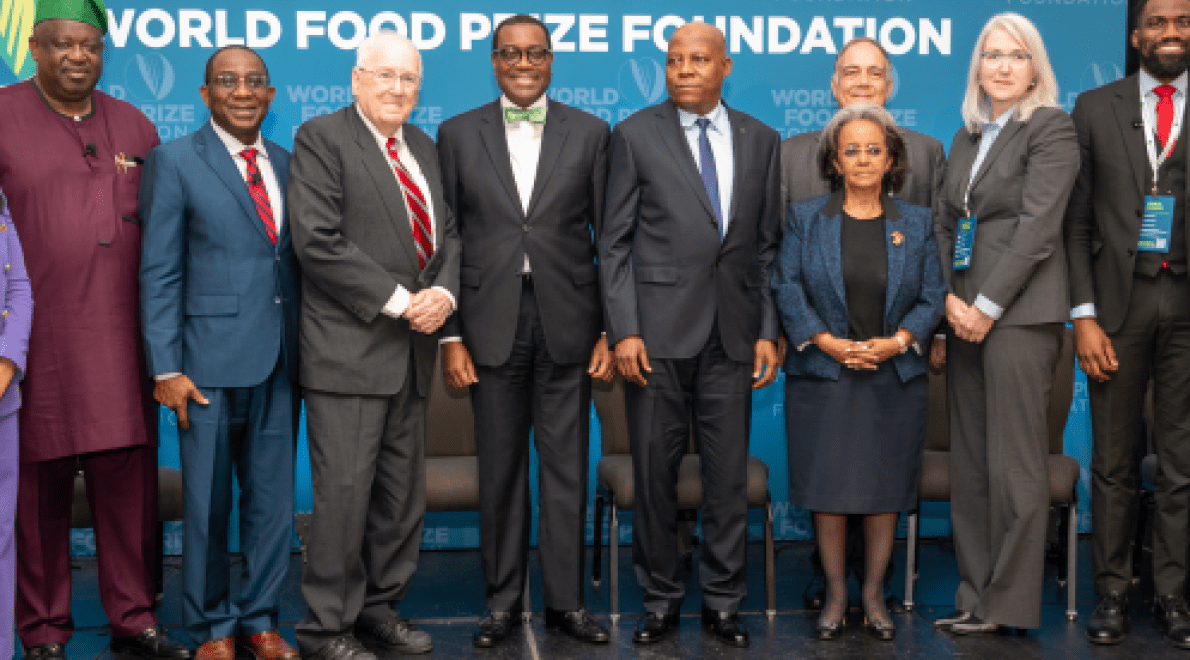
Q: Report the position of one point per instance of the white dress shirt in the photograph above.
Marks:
(719, 135)
(396, 305)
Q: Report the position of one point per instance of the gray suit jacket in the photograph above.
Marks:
(801, 178)
(1019, 197)
(558, 232)
(666, 275)
(1107, 206)
(352, 236)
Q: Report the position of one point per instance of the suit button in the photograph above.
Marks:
(7, 267)
(3, 227)
(277, 258)
(5, 314)
(277, 300)
(1139, 214)
(1131, 252)
(525, 227)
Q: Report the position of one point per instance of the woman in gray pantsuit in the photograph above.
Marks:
(1010, 172)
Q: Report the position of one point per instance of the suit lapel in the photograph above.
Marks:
(738, 133)
(276, 157)
(895, 250)
(553, 140)
(495, 140)
(1126, 106)
(212, 150)
(377, 165)
(831, 243)
(1002, 139)
(669, 128)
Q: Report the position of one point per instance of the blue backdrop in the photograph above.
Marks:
(609, 61)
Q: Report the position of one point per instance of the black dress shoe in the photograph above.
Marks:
(974, 626)
(151, 643)
(726, 626)
(495, 628)
(1171, 619)
(396, 634)
(579, 624)
(815, 594)
(1109, 624)
(957, 616)
(344, 647)
(47, 651)
(654, 628)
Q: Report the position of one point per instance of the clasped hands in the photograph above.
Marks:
(858, 355)
(427, 310)
(968, 322)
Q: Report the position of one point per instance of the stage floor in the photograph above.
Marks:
(446, 599)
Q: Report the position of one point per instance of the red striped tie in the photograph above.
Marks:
(423, 235)
(259, 194)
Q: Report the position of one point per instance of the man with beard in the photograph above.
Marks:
(1127, 243)
(69, 165)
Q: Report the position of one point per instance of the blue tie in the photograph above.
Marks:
(710, 176)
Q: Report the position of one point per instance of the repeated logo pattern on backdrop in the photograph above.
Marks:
(610, 61)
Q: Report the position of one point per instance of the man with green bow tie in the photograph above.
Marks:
(525, 176)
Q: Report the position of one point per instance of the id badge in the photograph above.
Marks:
(1156, 226)
(964, 240)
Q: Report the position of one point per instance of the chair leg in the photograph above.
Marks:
(1072, 560)
(613, 569)
(526, 600)
(1063, 542)
(910, 559)
(597, 560)
(770, 572)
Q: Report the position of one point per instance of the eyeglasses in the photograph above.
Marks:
(390, 78)
(854, 150)
(512, 54)
(230, 81)
(1016, 58)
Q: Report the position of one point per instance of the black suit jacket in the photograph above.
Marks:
(1107, 205)
(665, 274)
(558, 232)
(352, 236)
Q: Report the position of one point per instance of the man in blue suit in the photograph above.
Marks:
(219, 301)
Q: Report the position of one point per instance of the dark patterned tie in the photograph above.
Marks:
(423, 235)
(259, 194)
(710, 175)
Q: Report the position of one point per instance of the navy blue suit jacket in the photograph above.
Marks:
(219, 301)
(811, 297)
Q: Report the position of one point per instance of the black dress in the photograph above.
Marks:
(855, 444)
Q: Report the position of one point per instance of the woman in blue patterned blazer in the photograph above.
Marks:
(860, 290)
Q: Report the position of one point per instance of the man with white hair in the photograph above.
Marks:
(380, 273)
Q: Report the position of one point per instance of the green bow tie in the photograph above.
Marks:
(535, 115)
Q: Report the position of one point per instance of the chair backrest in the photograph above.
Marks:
(450, 426)
(938, 417)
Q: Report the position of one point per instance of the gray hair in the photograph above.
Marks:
(828, 146)
(1043, 93)
(378, 40)
(861, 40)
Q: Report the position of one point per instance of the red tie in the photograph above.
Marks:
(259, 194)
(423, 235)
(1164, 112)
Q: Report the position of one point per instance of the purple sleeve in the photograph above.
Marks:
(18, 300)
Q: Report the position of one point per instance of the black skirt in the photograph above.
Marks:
(855, 444)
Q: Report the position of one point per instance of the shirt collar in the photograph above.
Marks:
(718, 117)
(1148, 82)
(539, 103)
(1000, 122)
(380, 138)
(234, 145)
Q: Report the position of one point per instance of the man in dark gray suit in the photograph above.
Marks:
(525, 176)
(380, 257)
(1132, 316)
(691, 229)
(863, 74)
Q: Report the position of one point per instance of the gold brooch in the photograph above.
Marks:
(898, 238)
(122, 164)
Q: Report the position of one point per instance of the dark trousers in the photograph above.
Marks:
(1153, 342)
(718, 393)
(999, 394)
(122, 492)
(250, 432)
(531, 391)
(368, 473)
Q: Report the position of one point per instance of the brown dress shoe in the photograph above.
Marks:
(268, 645)
(216, 649)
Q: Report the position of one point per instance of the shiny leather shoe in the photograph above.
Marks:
(974, 626)
(827, 630)
(654, 628)
(726, 626)
(151, 643)
(1109, 624)
(579, 624)
(216, 649)
(957, 616)
(267, 645)
(1171, 619)
(398, 634)
(344, 647)
(815, 594)
(47, 651)
(495, 628)
(884, 631)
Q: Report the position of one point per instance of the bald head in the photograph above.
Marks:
(695, 67)
(701, 31)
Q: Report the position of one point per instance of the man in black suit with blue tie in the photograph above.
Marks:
(691, 229)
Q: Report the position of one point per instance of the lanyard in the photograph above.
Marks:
(1155, 159)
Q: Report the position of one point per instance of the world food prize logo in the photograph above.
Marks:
(15, 28)
(1098, 74)
(149, 78)
(642, 80)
